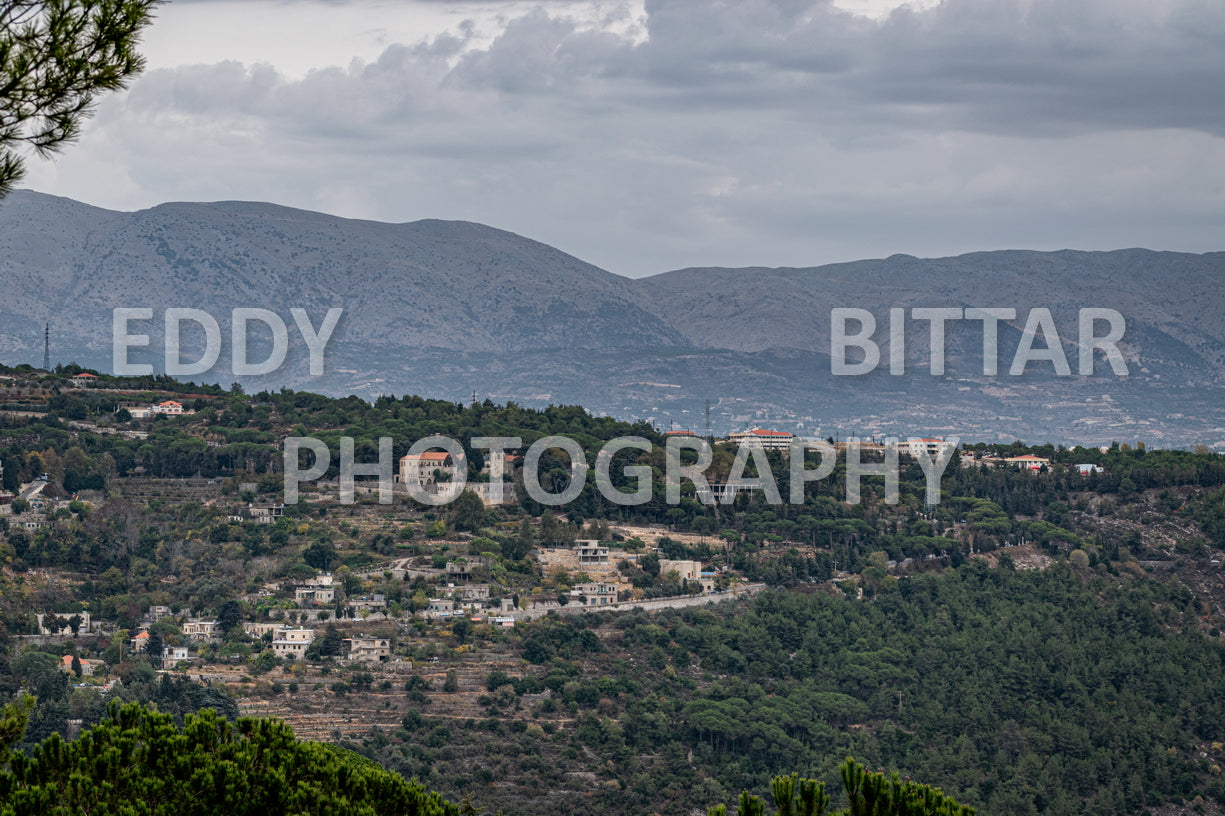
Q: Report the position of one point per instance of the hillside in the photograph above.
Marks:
(1172, 297)
(453, 308)
(429, 284)
(1041, 641)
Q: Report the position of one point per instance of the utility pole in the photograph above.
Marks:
(47, 347)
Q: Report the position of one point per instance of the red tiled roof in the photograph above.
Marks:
(763, 432)
(85, 374)
(430, 456)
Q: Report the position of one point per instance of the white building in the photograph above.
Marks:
(762, 438)
(685, 570)
(293, 643)
(596, 594)
(925, 447)
(725, 493)
(174, 654)
(423, 469)
(314, 595)
(266, 515)
(369, 649)
(202, 630)
(441, 606)
(45, 626)
(1028, 462)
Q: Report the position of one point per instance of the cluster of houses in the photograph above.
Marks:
(288, 642)
(465, 595)
(915, 447)
(1029, 461)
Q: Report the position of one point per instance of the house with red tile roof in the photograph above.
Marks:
(423, 469)
(1028, 461)
(87, 666)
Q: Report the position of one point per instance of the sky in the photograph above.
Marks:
(649, 135)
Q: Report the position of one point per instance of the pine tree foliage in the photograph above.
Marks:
(56, 57)
(868, 793)
(137, 762)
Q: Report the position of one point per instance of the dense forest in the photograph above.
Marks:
(1060, 691)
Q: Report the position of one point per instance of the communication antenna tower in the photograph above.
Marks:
(47, 347)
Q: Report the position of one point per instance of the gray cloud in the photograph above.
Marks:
(763, 131)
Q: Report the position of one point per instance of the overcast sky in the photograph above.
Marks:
(644, 137)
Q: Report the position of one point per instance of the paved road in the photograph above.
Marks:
(626, 606)
(33, 490)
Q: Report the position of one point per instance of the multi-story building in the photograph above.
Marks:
(292, 643)
(424, 469)
(762, 438)
(174, 654)
(925, 447)
(591, 554)
(595, 594)
(314, 595)
(369, 649)
(202, 630)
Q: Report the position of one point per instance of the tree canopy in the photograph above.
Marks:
(56, 57)
(137, 761)
(868, 794)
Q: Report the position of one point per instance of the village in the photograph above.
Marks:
(308, 597)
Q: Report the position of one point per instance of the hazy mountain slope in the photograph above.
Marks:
(1172, 302)
(439, 284)
(447, 309)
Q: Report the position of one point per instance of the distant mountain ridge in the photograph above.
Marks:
(426, 284)
(1178, 293)
(449, 308)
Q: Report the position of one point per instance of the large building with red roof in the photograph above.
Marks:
(762, 438)
(420, 468)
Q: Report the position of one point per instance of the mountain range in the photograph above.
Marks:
(451, 309)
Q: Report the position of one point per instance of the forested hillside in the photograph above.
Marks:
(1040, 641)
(1022, 692)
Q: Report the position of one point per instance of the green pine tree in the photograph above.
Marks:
(56, 57)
